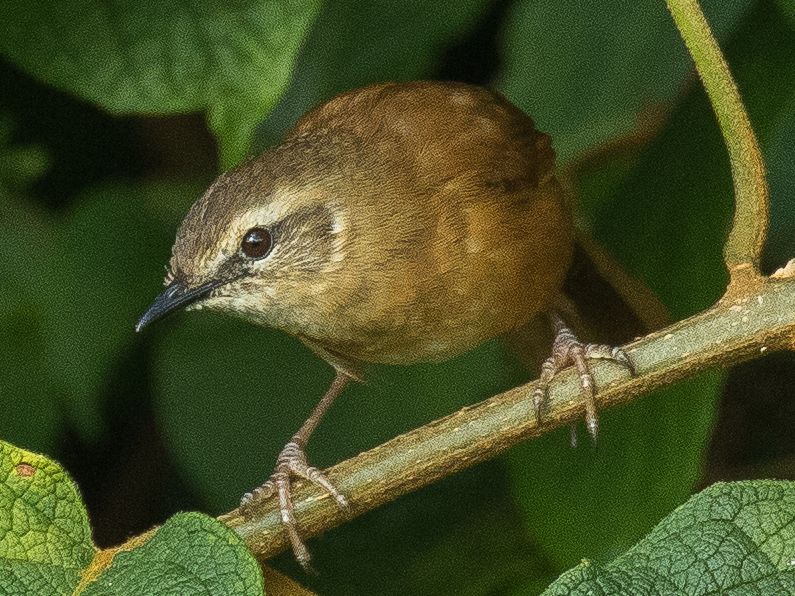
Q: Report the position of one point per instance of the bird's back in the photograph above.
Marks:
(462, 231)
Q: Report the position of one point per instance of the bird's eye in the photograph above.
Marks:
(256, 243)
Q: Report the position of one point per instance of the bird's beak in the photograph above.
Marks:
(173, 297)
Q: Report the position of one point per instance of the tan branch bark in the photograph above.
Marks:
(737, 328)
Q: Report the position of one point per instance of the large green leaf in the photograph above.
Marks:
(46, 547)
(666, 219)
(587, 70)
(729, 539)
(190, 554)
(232, 59)
(45, 539)
(356, 43)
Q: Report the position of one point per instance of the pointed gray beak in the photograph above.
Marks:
(176, 295)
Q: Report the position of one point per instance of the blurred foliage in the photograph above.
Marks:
(232, 59)
(225, 396)
(588, 71)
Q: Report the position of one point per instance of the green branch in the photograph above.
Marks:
(746, 239)
(735, 329)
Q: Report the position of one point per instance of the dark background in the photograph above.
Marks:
(191, 414)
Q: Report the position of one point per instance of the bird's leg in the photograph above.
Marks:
(292, 462)
(568, 350)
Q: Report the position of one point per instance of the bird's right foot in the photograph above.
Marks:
(567, 350)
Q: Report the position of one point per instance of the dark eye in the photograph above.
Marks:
(256, 243)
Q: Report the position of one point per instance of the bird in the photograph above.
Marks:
(394, 224)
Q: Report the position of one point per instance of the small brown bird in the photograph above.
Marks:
(397, 223)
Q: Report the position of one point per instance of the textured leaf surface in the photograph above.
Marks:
(191, 553)
(230, 58)
(45, 538)
(734, 538)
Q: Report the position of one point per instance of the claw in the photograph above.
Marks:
(292, 462)
(568, 350)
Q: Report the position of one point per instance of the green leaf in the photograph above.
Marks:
(191, 553)
(355, 43)
(232, 59)
(45, 539)
(19, 166)
(788, 9)
(586, 71)
(46, 546)
(27, 398)
(731, 538)
(665, 218)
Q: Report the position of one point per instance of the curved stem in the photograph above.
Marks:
(746, 239)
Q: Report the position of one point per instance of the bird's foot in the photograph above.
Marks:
(290, 463)
(568, 350)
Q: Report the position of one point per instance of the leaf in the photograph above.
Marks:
(354, 43)
(665, 218)
(46, 546)
(587, 71)
(108, 265)
(730, 538)
(27, 398)
(190, 554)
(230, 59)
(45, 539)
(19, 166)
(788, 9)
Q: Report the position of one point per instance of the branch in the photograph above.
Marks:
(755, 316)
(747, 237)
(735, 329)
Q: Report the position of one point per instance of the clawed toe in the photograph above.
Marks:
(290, 463)
(567, 350)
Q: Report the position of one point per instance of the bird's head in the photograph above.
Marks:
(258, 244)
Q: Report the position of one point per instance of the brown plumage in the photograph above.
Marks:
(396, 223)
(425, 219)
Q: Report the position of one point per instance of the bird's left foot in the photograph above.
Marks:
(567, 350)
(291, 463)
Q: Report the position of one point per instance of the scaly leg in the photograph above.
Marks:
(292, 462)
(568, 350)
